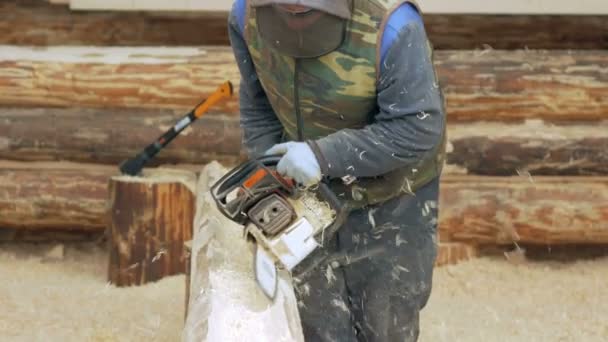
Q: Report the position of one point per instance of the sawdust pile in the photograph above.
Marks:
(493, 300)
(63, 296)
(66, 299)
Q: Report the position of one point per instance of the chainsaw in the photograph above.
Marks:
(287, 223)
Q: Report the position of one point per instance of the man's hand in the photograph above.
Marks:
(298, 162)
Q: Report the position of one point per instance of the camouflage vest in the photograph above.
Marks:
(315, 97)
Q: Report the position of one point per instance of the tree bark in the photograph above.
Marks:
(531, 210)
(534, 147)
(150, 220)
(109, 136)
(479, 85)
(28, 22)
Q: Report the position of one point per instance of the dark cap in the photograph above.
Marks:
(339, 8)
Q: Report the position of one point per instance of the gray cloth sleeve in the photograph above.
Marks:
(410, 119)
(260, 125)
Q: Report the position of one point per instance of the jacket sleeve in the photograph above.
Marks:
(260, 126)
(410, 120)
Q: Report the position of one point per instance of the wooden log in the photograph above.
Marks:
(32, 22)
(53, 197)
(516, 85)
(111, 136)
(511, 32)
(56, 197)
(226, 303)
(28, 22)
(531, 210)
(479, 85)
(534, 147)
(150, 219)
(452, 253)
(173, 78)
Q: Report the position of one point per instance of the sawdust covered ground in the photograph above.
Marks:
(49, 297)
(44, 297)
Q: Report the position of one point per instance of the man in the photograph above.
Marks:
(346, 90)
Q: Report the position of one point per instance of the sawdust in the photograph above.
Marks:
(44, 299)
(494, 300)
(163, 175)
(318, 213)
(481, 300)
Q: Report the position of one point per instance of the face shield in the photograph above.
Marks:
(300, 32)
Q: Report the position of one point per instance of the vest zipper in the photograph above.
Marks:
(296, 100)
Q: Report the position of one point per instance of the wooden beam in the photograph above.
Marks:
(538, 210)
(534, 147)
(479, 85)
(37, 23)
(109, 136)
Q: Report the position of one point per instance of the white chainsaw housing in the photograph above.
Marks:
(293, 244)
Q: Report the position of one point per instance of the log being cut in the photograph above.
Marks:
(225, 301)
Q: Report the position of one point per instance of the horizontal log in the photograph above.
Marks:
(474, 209)
(479, 85)
(530, 210)
(53, 196)
(534, 147)
(173, 78)
(33, 22)
(29, 22)
(111, 136)
(515, 85)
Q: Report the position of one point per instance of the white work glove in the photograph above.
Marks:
(298, 162)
